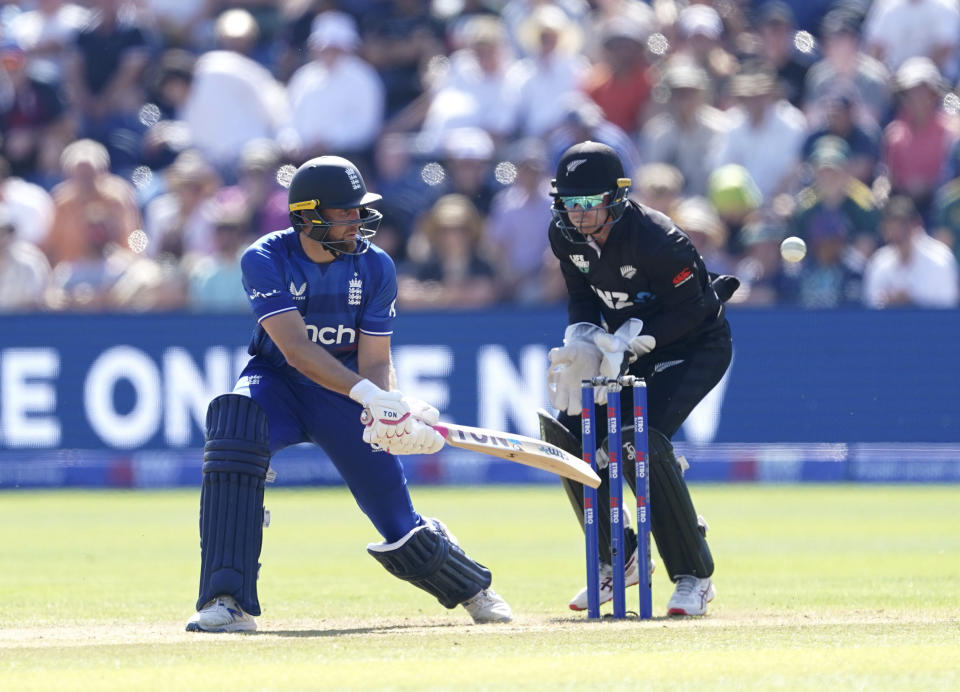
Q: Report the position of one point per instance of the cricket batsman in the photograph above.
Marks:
(320, 371)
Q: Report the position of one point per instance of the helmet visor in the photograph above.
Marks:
(585, 202)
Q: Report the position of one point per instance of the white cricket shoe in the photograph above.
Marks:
(631, 577)
(691, 596)
(488, 606)
(221, 614)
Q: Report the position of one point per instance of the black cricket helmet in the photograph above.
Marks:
(332, 182)
(593, 173)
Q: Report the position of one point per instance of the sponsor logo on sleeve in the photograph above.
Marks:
(258, 294)
(683, 277)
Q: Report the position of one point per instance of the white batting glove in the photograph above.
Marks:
(627, 342)
(424, 440)
(578, 359)
(390, 422)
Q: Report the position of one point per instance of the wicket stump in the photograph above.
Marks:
(615, 472)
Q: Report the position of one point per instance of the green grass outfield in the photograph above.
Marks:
(819, 588)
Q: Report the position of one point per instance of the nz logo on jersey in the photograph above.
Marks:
(298, 293)
(355, 290)
(628, 271)
(615, 300)
(582, 263)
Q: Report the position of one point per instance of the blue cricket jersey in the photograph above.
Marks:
(338, 300)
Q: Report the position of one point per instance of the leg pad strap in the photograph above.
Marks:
(428, 559)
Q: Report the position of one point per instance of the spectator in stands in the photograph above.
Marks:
(761, 269)
(448, 269)
(735, 196)
(862, 136)
(789, 57)
(92, 207)
(405, 188)
(47, 32)
(468, 160)
(583, 120)
(516, 14)
(912, 268)
(897, 30)
(171, 82)
(845, 67)
(29, 206)
(516, 248)
(639, 15)
(105, 80)
(697, 217)
(553, 69)
(472, 89)
(262, 198)
(945, 225)
(659, 186)
(226, 77)
(181, 220)
(34, 122)
(399, 39)
(831, 275)
(24, 271)
(337, 99)
(766, 132)
(84, 281)
(688, 134)
(699, 33)
(181, 22)
(146, 284)
(215, 280)
(620, 81)
(916, 144)
(837, 193)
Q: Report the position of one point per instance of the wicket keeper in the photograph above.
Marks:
(640, 301)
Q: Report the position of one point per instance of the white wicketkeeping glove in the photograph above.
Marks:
(391, 421)
(578, 359)
(626, 342)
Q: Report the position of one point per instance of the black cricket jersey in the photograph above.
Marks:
(649, 269)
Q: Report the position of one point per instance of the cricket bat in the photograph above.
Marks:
(523, 450)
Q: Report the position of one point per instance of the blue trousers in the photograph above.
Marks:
(300, 412)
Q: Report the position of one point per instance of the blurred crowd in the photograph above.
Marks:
(145, 143)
